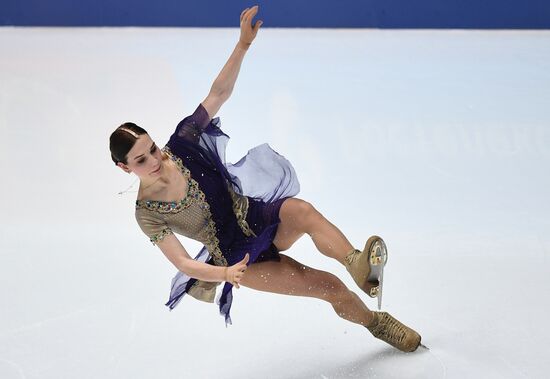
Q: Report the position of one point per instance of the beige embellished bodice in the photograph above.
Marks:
(190, 217)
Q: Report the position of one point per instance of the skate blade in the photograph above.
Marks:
(424, 346)
(378, 261)
(380, 285)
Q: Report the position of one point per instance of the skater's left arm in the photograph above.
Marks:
(223, 85)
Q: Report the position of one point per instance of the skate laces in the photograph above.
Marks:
(352, 256)
(389, 329)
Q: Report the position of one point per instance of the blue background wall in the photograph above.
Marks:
(500, 14)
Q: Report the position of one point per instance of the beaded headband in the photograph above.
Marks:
(130, 131)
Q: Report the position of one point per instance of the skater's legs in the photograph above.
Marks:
(290, 277)
(299, 217)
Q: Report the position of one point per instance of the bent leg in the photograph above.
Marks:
(299, 217)
(290, 277)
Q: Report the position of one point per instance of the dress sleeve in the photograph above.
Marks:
(154, 228)
(192, 126)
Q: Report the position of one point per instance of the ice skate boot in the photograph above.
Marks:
(367, 267)
(386, 328)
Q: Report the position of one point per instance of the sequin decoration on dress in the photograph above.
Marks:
(182, 216)
(243, 202)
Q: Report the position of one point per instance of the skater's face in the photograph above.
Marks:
(144, 159)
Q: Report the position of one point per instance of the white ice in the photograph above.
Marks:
(438, 141)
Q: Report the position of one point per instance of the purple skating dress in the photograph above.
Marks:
(233, 209)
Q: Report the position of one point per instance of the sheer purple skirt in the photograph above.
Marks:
(267, 179)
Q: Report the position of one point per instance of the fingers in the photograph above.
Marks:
(242, 13)
(241, 268)
(257, 25)
(253, 11)
(237, 279)
(236, 282)
(248, 14)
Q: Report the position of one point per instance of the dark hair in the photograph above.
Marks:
(121, 142)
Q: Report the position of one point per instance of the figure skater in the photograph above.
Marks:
(244, 214)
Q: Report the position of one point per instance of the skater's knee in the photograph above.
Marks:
(335, 290)
(308, 215)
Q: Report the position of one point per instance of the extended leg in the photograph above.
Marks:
(290, 277)
(299, 217)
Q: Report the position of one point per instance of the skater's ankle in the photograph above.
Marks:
(370, 320)
(343, 258)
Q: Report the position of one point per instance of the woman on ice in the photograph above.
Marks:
(244, 214)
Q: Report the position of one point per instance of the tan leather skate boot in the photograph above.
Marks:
(366, 267)
(388, 329)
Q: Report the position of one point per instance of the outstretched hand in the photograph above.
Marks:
(248, 32)
(235, 273)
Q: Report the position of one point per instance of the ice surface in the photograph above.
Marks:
(439, 141)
